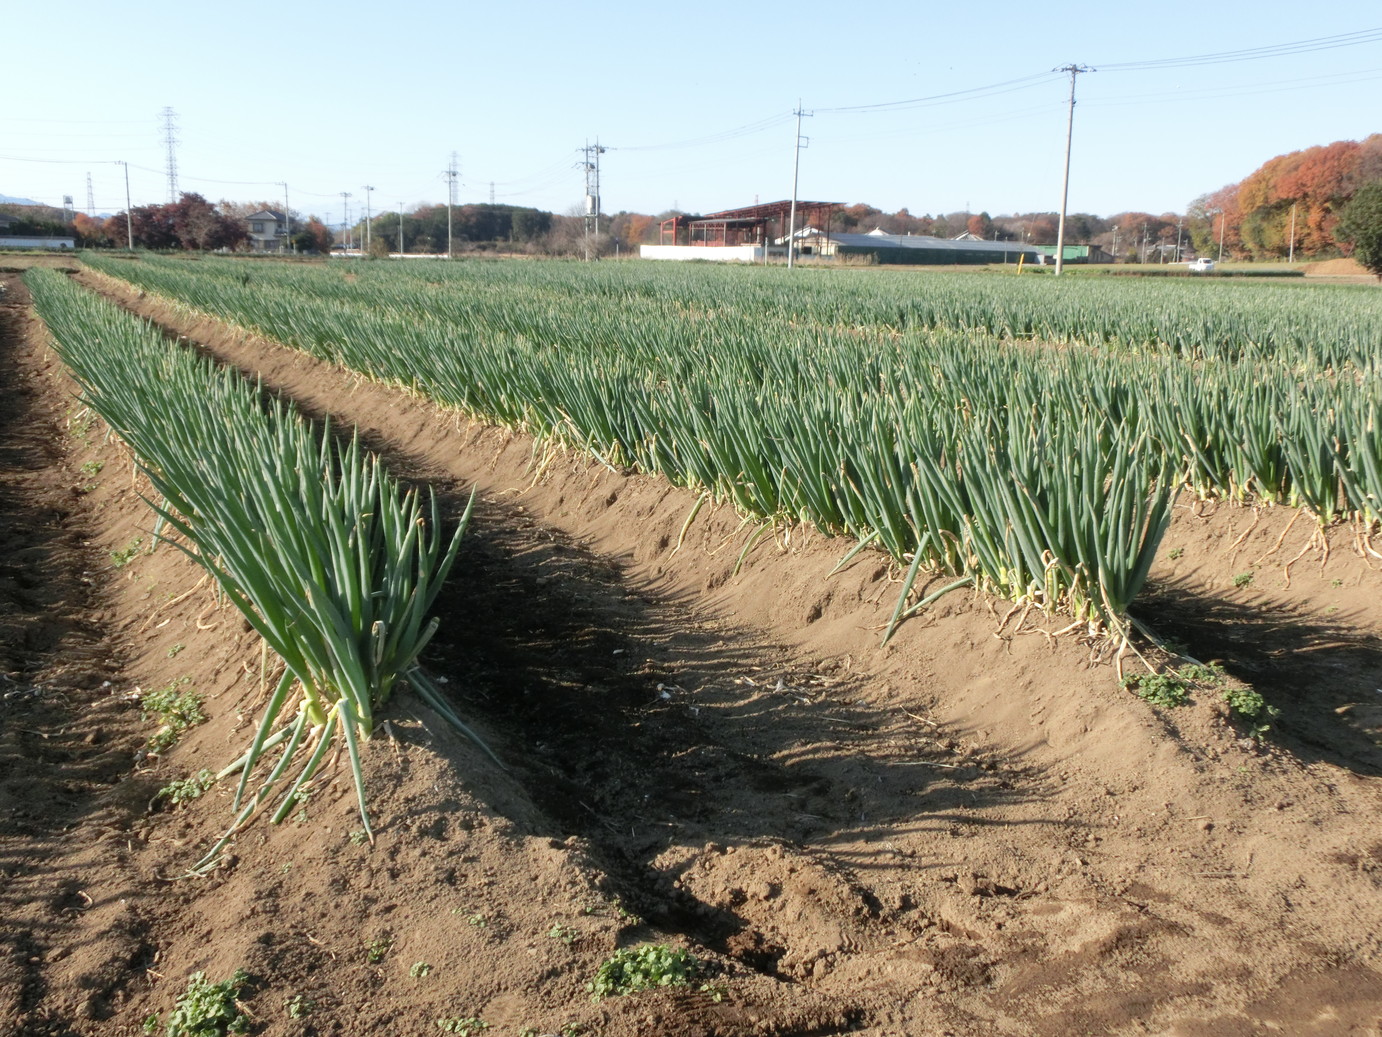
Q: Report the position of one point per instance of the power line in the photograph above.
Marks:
(1277, 50)
(714, 138)
(973, 93)
(1330, 80)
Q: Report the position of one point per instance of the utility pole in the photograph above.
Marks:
(401, 249)
(591, 165)
(129, 223)
(287, 214)
(450, 175)
(1223, 219)
(1291, 255)
(368, 215)
(1074, 71)
(170, 141)
(1178, 223)
(800, 143)
(345, 217)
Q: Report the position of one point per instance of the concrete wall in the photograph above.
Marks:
(715, 253)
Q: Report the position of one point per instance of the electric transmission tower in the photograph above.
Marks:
(170, 141)
(90, 197)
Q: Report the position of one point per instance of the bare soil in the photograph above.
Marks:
(972, 831)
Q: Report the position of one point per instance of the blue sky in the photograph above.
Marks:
(693, 103)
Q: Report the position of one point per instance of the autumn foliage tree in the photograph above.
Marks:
(1360, 225)
(1291, 203)
(190, 223)
(311, 235)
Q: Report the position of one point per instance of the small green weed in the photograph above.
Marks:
(1243, 579)
(377, 948)
(1172, 688)
(185, 790)
(1165, 690)
(1249, 707)
(299, 1006)
(125, 555)
(419, 970)
(359, 837)
(477, 920)
(80, 423)
(1207, 675)
(173, 652)
(465, 1027)
(565, 933)
(205, 1009)
(647, 967)
(93, 467)
(176, 710)
(1175, 553)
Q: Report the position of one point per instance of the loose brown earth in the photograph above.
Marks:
(972, 831)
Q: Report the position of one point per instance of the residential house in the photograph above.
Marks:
(268, 230)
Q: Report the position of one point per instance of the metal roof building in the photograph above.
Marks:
(753, 224)
(919, 249)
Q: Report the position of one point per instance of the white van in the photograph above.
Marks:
(1203, 265)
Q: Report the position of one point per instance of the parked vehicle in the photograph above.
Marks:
(1203, 265)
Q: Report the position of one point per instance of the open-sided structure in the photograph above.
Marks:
(750, 233)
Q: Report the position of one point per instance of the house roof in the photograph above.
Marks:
(266, 214)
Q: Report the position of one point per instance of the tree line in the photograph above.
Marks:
(1314, 203)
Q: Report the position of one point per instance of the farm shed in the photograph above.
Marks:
(923, 250)
(1079, 253)
(736, 233)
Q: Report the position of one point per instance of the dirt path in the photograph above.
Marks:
(973, 831)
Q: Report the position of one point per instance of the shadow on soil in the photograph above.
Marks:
(63, 743)
(637, 724)
(1324, 677)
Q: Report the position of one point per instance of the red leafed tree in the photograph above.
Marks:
(1291, 202)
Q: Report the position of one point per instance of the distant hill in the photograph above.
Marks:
(6, 199)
